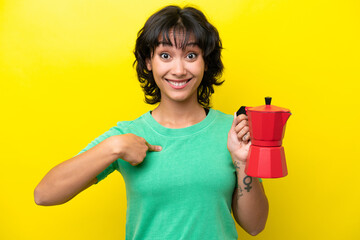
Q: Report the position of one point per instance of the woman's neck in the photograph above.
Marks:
(178, 115)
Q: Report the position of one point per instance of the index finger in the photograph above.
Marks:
(152, 148)
(240, 118)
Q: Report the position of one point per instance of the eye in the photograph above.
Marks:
(191, 56)
(164, 55)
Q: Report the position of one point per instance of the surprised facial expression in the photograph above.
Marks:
(177, 71)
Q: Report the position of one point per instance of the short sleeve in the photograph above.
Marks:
(112, 167)
(113, 131)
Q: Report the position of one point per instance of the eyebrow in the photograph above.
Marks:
(170, 44)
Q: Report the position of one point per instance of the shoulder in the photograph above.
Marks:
(223, 117)
(123, 126)
(222, 121)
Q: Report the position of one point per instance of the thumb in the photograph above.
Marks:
(153, 148)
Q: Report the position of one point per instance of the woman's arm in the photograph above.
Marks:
(250, 205)
(69, 178)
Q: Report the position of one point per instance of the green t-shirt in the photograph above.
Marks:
(184, 191)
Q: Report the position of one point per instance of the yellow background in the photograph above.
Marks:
(66, 77)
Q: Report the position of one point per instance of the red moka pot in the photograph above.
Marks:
(266, 157)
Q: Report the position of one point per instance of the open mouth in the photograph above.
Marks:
(178, 84)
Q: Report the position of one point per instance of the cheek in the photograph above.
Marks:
(159, 68)
(158, 74)
(199, 69)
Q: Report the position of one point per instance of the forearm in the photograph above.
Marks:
(250, 205)
(67, 179)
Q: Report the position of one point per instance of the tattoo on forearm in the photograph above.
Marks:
(247, 181)
(239, 192)
(237, 164)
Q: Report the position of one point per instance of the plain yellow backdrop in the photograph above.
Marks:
(66, 77)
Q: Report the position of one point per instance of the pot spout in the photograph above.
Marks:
(285, 117)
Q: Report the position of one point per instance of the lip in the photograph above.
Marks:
(178, 81)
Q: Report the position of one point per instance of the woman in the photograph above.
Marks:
(183, 163)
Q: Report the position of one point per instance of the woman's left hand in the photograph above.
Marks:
(239, 139)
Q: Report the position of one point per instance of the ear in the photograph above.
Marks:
(148, 64)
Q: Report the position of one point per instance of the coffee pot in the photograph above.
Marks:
(266, 158)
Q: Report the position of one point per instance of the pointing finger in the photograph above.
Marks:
(153, 148)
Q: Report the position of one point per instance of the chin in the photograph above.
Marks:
(180, 98)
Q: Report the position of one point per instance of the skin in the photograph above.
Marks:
(250, 205)
(67, 179)
(178, 109)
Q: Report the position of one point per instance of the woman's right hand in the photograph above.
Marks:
(132, 148)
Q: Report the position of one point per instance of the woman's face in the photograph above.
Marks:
(177, 72)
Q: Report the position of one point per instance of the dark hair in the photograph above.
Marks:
(189, 21)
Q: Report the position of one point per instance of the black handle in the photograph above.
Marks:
(241, 110)
(268, 100)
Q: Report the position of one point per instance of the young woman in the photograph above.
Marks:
(183, 163)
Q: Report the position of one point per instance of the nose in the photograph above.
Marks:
(178, 68)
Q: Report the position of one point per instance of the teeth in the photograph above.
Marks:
(178, 84)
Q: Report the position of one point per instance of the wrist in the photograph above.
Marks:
(114, 146)
(239, 166)
(238, 160)
(240, 169)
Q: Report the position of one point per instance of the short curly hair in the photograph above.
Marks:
(188, 20)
